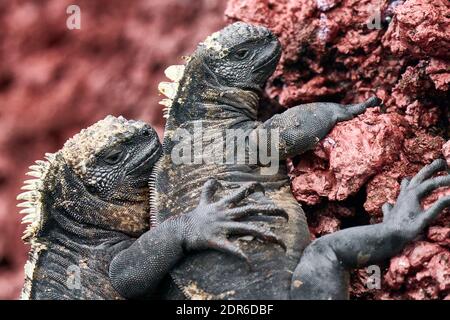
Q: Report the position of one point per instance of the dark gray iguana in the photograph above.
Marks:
(88, 206)
(218, 89)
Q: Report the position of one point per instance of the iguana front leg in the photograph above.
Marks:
(301, 127)
(323, 269)
(138, 270)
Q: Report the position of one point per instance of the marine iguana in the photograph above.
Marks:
(88, 217)
(218, 90)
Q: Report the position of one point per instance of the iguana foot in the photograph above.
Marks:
(407, 218)
(211, 222)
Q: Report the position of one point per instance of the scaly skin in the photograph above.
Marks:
(219, 89)
(88, 215)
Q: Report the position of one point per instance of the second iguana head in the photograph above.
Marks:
(99, 179)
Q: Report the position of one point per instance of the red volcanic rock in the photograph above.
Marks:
(423, 268)
(421, 29)
(368, 143)
(439, 71)
(385, 186)
(398, 269)
(440, 270)
(325, 225)
(55, 81)
(440, 235)
(327, 219)
(422, 252)
(423, 147)
(331, 53)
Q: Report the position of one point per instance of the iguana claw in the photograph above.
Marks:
(211, 222)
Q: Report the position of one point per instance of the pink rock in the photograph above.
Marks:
(423, 147)
(421, 116)
(440, 235)
(420, 272)
(422, 252)
(439, 71)
(439, 266)
(398, 269)
(417, 151)
(426, 291)
(367, 143)
(326, 225)
(421, 28)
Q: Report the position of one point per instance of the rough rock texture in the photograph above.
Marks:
(55, 81)
(345, 51)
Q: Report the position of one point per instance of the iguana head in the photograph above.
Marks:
(235, 60)
(112, 158)
(240, 55)
(99, 179)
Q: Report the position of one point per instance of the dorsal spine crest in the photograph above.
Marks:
(170, 89)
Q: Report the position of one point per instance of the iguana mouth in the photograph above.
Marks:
(147, 159)
(274, 56)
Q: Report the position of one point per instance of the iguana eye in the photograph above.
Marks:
(146, 132)
(114, 156)
(241, 54)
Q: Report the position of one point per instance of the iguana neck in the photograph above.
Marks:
(200, 95)
(66, 234)
(235, 100)
(70, 203)
(211, 105)
(70, 249)
(78, 234)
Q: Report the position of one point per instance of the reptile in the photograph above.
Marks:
(86, 211)
(217, 91)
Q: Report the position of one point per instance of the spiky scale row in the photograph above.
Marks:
(152, 199)
(26, 204)
(175, 72)
(28, 195)
(32, 204)
(33, 184)
(32, 197)
(35, 174)
(166, 102)
(170, 89)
